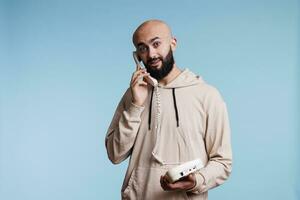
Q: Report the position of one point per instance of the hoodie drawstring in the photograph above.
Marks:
(175, 106)
(150, 109)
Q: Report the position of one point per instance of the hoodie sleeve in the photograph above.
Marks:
(218, 145)
(123, 129)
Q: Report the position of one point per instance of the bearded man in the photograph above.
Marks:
(180, 119)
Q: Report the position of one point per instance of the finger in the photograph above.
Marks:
(139, 82)
(179, 185)
(137, 73)
(165, 186)
(162, 184)
(169, 187)
(161, 180)
(139, 78)
(190, 177)
(166, 180)
(182, 184)
(138, 67)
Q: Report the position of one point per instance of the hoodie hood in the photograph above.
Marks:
(184, 79)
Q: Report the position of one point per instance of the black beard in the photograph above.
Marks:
(167, 66)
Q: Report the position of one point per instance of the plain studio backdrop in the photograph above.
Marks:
(66, 64)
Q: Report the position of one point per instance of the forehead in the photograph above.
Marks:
(150, 31)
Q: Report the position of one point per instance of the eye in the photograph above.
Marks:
(142, 49)
(156, 44)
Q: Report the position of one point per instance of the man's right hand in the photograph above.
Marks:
(139, 88)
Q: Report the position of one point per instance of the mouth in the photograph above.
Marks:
(154, 62)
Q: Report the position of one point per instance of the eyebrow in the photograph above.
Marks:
(150, 41)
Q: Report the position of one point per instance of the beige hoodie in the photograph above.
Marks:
(187, 120)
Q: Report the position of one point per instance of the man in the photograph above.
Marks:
(160, 127)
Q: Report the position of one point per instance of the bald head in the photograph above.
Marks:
(151, 29)
(154, 46)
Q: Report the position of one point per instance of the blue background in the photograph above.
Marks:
(66, 64)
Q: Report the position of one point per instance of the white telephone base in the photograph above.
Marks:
(183, 170)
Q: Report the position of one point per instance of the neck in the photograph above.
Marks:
(171, 76)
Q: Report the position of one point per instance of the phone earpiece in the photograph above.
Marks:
(139, 58)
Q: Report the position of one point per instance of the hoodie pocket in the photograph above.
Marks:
(131, 189)
(144, 183)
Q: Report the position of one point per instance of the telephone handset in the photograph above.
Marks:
(149, 79)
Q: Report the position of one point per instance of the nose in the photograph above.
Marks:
(152, 52)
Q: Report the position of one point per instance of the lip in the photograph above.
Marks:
(154, 63)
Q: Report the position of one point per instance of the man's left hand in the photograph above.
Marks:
(182, 184)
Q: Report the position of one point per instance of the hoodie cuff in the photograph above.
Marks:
(135, 110)
(199, 184)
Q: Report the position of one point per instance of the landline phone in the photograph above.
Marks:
(139, 65)
(183, 170)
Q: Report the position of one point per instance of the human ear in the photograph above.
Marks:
(173, 43)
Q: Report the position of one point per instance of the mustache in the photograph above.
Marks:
(154, 59)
